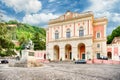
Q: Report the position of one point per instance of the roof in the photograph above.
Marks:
(116, 40)
(71, 15)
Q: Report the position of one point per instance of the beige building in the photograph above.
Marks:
(76, 36)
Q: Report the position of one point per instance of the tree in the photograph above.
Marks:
(5, 42)
(12, 22)
(39, 44)
(3, 30)
(115, 33)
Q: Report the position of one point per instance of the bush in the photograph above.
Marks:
(73, 59)
(60, 59)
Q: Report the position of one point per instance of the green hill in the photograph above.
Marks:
(28, 31)
(24, 32)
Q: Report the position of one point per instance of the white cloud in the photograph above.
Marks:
(102, 5)
(38, 19)
(6, 17)
(104, 8)
(116, 17)
(28, 6)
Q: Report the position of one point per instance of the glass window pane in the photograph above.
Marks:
(68, 34)
(98, 35)
(56, 35)
(81, 32)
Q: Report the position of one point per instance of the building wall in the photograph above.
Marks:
(89, 39)
(115, 50)
(74, 44)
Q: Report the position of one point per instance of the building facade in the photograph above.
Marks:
(113, 49)
(76, 36)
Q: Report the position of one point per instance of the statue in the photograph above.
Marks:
(29, 45)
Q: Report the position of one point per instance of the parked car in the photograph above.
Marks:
(103, 58)
(80, 62)
(4, 61)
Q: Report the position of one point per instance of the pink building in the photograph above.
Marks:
(113, 49)
(76, 36)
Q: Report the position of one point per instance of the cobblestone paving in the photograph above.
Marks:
(61, 71)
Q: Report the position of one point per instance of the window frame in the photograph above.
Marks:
(81, 31)
(56, 34)
(98, 45)
(97, 35)
(68, 33)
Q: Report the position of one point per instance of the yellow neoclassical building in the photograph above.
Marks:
(76, 36)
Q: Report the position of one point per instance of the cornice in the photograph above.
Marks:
(83, 15)
(70, 21)
(99, 40)
(100, 19)
(71, 39)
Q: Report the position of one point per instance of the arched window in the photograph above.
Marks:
(68, 34)
(81, 31)
(56, 34)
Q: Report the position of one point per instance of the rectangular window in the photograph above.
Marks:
(98, 35)
(98, 45)
(81, 32)
(68, 34)
(98, 55)
(56, 35)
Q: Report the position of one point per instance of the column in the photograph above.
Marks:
(74, 53)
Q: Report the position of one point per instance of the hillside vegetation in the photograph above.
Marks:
(27, 31)
(23, 33)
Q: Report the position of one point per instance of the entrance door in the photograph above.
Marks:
(98, 55)
(83, 56)
(109, 55)
(81, 51)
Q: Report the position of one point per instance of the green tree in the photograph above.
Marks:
(3, 30)
(115, 33)
(12, 22)
(39, 44)
(5, 42)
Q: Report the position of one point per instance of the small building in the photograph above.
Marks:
(74, 36)
(113, 49)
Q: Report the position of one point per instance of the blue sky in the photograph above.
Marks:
(38, 12)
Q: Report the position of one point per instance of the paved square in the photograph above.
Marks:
(62, 71)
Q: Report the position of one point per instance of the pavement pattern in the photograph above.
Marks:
(61, 71)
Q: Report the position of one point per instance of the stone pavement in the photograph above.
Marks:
(61, 71)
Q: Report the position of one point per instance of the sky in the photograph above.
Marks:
(39, 12)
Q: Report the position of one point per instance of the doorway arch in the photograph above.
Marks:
(68, 52)
(109, 55)
(81, 51)
(56, 52)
